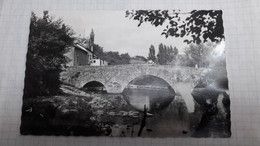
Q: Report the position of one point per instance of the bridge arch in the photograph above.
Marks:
(182, 89)
(133, 77)
(147, 76)
(95, 86)
(150, 91)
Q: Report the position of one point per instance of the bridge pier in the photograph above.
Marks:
(185, 90)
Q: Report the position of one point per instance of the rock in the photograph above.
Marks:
(133, 113)
(73, 110)
(100, 112)
(111, 113)
(122, 113)
(92, 118)
(64, 110)
(116, 126)
(149, 115)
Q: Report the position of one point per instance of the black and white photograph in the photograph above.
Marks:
(131, 73)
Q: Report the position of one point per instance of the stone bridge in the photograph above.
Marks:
(116, 78)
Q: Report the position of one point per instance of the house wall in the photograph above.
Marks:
(103, 63)
(98, 62)
(80, 57)
(70, 56)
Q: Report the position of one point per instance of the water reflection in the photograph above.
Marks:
(153, 99)
(149, 90)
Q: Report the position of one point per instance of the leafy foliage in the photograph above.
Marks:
(98, 50)
(198, 55)
(151, 55)
(48, 41)
(166, 54)
(197, 26)
(161, 56)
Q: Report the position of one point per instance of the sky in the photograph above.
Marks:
(114, 32)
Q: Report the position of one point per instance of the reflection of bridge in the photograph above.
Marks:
(146, 87)
(116, 78)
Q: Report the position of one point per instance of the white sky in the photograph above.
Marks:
(114, 32)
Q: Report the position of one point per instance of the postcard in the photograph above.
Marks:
(132, 73)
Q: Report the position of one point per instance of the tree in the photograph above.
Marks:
(167, 54)
(48, 41)
(162, 55)
(114, 58)
(98, 50)
(175, 51)
(125, 58)
(198, 55)
(199, 25)
(151, 55)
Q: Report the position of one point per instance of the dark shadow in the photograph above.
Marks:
(213, 103)
(94, 86)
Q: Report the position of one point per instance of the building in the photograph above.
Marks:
(82, 53)
(79, 55)
(98, 62)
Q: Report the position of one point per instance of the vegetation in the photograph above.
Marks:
(166, 54)
(196, 26)
(151, 55)
(42, 116)
(114, 58)
(48, 41)
(198, 55)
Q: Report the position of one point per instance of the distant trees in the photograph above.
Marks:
(195, 55)
(48, 41)
(198, 55)
(114, 58)
(151, 55)
(166, 54)
(98, 50)
(162, 55)
(175, 52)
(124, 58)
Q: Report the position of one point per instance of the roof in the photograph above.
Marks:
(83, 48)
